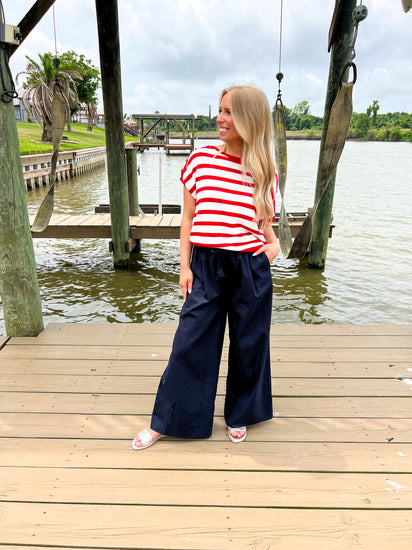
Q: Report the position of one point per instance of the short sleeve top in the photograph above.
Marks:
(224, 210)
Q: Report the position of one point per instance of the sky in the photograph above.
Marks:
(177, 55)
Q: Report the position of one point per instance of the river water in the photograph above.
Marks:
(367, 278)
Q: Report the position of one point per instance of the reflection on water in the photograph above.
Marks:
(367, 278)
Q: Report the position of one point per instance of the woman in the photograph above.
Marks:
(226, 247)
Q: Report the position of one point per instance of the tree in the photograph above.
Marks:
(39, 89)
(87, 85)
(373, 110)
(362, 124)
(302, 108)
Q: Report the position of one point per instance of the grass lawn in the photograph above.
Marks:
(30, 135)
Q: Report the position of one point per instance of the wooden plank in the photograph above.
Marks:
(142, 404)
(166, 220)
(185, 528)
(151, 221)
(212, 455)
(207, 488)
(161, 353)
(177, 221)
(87, 220)
(77, 220)
(101, 219)
(106, 426)
(56, 219)
(126, 333)
(280, 369)
(129, 333)
(298, 387)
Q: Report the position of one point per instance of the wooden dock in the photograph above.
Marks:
(98, 226)
(36, 168)
(332, 470)
(168, 147)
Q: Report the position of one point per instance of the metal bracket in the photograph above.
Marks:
(10, 34)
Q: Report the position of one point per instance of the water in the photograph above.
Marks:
(367, 279)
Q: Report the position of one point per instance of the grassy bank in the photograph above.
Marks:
(78, 138)
(290, 134)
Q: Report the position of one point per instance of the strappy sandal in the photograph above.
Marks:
(146, 439)
(236, 439)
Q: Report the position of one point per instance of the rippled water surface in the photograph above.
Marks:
(367, 278)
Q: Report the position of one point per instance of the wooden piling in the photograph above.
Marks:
(131, 169)
(341, 39)
(19, 284)
(109, 48)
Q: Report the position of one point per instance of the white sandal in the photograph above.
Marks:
(146, 439)
(236, 439)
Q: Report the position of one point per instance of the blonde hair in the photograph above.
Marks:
(253, 121)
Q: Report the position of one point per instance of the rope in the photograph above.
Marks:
(7, 95)
(279, 76)
(55, 35)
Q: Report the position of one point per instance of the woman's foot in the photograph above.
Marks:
(145, 439)
(236, 435)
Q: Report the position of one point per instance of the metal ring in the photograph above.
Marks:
(345, 68)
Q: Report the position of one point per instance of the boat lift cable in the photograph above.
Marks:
(281, 160)
(279, 76)
(56, 60)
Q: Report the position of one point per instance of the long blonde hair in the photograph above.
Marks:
(253, 121)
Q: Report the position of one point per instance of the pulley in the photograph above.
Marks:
(360, 13)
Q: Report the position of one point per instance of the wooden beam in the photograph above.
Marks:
(151, 128)
(181, 126)
(30, 20)
(162, 116)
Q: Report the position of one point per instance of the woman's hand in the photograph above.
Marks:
(271, 250)
(186, 281)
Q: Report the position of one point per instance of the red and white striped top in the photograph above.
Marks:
(224, 212)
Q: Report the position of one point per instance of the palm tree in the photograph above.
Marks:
(39, 88)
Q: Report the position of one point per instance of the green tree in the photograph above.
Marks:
(39, 89)
(87, 85)
(372, 110)
(301, 109)
(361, 124)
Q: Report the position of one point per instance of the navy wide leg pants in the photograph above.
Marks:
(227, 285)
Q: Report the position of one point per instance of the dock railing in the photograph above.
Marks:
(36, 168)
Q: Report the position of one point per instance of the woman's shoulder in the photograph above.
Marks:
(207, 150)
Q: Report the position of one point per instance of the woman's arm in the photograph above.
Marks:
(272, 248)
(186, 275)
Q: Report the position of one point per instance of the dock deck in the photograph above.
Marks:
(98, 226)
(332, 470)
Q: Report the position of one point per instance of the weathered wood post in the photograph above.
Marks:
(19, 284)
(167, 131)
(109, 48)
(192, 139)
(341, 35)
(131, 169)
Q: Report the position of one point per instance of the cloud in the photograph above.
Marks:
(177, 55)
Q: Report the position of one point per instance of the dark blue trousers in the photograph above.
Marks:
(227, 285)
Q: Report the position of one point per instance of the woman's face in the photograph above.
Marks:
(227, 130)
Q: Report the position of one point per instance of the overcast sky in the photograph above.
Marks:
(177, 55)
